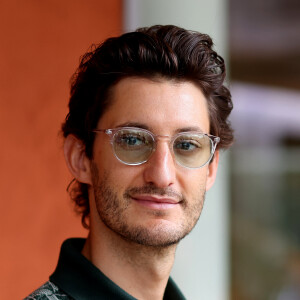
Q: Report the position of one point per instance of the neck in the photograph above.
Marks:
(142, 271)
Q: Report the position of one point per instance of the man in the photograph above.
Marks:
(147, 117)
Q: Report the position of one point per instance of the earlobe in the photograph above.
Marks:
(76, 159)
(212, 171)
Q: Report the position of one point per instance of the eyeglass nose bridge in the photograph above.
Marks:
(166, 138)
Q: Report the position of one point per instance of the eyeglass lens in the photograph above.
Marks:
(133, 146)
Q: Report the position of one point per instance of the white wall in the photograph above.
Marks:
(202, 261)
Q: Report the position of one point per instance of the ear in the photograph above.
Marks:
(212, 171)
(76, 159)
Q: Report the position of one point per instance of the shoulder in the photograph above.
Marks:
(48, 291)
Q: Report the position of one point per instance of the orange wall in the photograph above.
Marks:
(40, 45)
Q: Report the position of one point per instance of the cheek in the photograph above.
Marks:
(103, 153)
(127, 176)
(192, 181)
(118, 174)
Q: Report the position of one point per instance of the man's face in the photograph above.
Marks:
(159, 202)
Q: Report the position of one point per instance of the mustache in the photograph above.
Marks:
(153, 190)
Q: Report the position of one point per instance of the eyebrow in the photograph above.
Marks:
(133, 124)
(144, 126)
(190, 128)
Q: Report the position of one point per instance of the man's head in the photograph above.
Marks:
(164, 79)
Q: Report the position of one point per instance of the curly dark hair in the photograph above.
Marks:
(168, 52)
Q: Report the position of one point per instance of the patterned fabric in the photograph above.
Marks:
(48, 291)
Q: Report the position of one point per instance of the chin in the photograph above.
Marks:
(158, 233)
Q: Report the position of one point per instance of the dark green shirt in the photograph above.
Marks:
(75, 277)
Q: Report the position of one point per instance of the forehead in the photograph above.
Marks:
(160, 105)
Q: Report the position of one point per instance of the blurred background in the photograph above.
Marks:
(264, 43)
(247, 243)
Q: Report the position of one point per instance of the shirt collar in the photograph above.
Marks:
(79, 278)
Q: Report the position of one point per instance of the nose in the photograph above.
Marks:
(160, 169)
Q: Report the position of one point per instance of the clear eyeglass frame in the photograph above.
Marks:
(111, 132)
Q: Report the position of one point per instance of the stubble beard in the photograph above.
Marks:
(113, 212)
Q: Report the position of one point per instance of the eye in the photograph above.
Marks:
(190, 144)
(131, 140)
(187, 145)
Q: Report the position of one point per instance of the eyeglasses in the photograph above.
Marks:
(134, 146)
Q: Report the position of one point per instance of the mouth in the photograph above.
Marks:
(156, 202)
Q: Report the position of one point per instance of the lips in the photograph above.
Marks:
(156, 199)
(156, 202)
